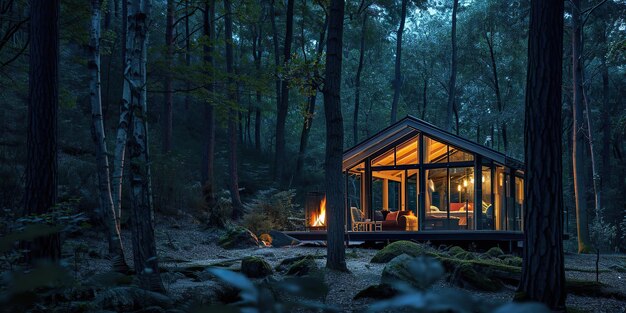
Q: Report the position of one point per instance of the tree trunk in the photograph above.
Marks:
(187, 52)
(102, 155)
(40, 179)
(424, 98)
(167, 82)
(397, 80)
(580, 179)
(496, 88)
(310, 111)
(122, 129)
(606, 115)
(257, 53)
(335, 186)
(357, 81)
(232, 115)
(275, 41)
(208, 160)
(283, 107)
(142, 215)
(543, 272)
(452, 82)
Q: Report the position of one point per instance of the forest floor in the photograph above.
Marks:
(183, 240)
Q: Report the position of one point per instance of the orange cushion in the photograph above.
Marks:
(392, 216)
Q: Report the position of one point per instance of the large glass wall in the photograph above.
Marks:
(450, 198)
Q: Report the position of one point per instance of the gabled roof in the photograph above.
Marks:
(410, 124)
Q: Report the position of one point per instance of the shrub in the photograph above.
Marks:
(271, 209)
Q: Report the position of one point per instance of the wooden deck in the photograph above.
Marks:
(508, 240)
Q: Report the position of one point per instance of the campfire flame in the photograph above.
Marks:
(320, 220)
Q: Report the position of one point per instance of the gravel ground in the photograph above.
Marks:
(178, 243)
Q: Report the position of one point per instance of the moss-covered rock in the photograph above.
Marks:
(512, 260)
(379, 291)
(286, 263)
(255, 267)
(398, 248)
(455, 250)
(420, 272)
(303, 267)
(466, 275)
(492, 270)
(494, 252)
(238, 238)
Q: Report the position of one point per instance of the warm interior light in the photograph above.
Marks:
(320, 220)
(483, 179)
(472, 180)
(458, 188)
(465, 183)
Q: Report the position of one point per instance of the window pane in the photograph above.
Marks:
(436, 200)
(385, 159)
(519, 203)
(488, 217)
(435, 151)
(462, 196)
(458, 155)
(406, 153)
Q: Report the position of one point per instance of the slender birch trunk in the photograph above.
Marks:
(102, 159)
(122, 131)
(142, 215)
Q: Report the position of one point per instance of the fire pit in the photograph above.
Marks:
(315, 211)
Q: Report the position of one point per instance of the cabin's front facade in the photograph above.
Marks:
(413, 177)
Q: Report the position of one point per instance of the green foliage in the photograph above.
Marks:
(272, 296)
(397, 248)
(271, 209)
(411, 299)
(602, 233)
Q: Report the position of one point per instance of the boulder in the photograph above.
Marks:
(280, 239)
(494, 252)
(379, 291)
(238, 238)
(255, 267)
(419, 272)
(286, 263)
(398, 248)
(465, 275)
(303, 267)
(130, 299)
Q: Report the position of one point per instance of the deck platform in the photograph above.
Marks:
(508, 240)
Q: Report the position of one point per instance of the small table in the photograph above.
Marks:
(369, 226)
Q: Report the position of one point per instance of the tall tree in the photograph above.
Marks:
(397, 80)
(276, 44)
(208, 158)
(336, 251)
(543, 272)
(167, 118)
(312, 99)
(357, 79)
(579, 131)
(283, 107)
(122, 128)
(142, 213)
(452, 82)
(257, 54)
(233, 185)
(102, 158)
(41, 179)
(489, 37)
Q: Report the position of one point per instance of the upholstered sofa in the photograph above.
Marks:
(395, 220)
